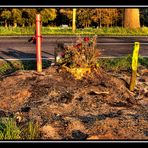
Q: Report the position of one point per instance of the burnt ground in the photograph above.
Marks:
(100, 106)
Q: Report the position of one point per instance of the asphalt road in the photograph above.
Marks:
(12, 48)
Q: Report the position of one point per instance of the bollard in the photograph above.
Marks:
(134, 65)
(38, 43)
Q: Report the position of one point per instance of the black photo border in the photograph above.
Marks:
(74, 4)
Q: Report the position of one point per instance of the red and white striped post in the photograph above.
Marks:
(38, 43)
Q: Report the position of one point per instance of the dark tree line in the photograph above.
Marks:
(85, 17)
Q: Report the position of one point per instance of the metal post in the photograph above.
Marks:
(134, 65)
(38, 43)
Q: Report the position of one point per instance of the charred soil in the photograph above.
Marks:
(100, 106)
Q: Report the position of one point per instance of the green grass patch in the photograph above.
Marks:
(124, 63)
(8, 67)
(143, 61)
(10, 130)
(30, 131)
(104, 31)
(116, 63)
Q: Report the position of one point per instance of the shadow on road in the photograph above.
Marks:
(15, 54)
(22, 63)
(48, 53)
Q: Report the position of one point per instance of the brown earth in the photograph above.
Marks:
(100, 106)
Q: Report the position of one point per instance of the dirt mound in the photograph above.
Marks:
(99, 106)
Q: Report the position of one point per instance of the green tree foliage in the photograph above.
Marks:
(84, 17)
(6, 15)
(66, 15)
(28, 16)
(105, 16)
(109, 17)
(16, 17)
(144, 16)
(48, 14)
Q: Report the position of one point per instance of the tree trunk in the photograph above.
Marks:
(14, 24)
(100, 23)
(6, 25)
(86, 25)
(131, 18)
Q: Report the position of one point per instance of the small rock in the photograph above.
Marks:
(39, 73)
(48, 132)
(75, 125)
(97, 93)
(128, 111)
(95, 137)
(53, 64)
(107, 136)
(80, 98)
(18, 117)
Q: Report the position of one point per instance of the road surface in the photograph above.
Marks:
(12, 48)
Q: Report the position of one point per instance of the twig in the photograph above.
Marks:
(98, 93)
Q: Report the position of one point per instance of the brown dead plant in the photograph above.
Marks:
(81, 57)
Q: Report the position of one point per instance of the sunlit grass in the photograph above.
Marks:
(8, 67)
(9, 130)
(121, 63)
(110, 31)
(106, 63)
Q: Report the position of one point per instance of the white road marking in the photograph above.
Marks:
(25, 59)
(31, 59)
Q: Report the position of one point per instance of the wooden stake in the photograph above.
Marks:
(74, 21)
(38, 43)
(134, 65)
